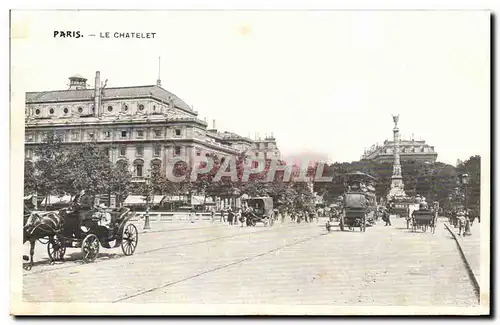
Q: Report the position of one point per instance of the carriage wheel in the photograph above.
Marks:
(56, 249)
(90, 248)
(130, 238)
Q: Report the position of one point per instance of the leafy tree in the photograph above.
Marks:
(89, 169)
(120, 180)
(472, 167)
(30, 179)
(50, 166)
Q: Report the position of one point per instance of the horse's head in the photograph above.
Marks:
(30, 222)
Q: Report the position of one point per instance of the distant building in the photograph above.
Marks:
(416, 150)
(266, 148)
(142, 125)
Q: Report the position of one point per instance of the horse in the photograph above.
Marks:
(38, 226)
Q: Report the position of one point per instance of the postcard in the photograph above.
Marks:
(250, 162)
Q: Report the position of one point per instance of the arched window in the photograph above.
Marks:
(122, 163)
(156, 163)
(155, 166)
(139, 167)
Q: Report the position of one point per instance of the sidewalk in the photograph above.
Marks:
(157, 226)
(471, 247)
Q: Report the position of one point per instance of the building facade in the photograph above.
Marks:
(416, 150)
(266, 148)
(142, 125)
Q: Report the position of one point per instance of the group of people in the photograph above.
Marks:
(239, 216)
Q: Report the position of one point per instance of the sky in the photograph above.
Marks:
(324, 83)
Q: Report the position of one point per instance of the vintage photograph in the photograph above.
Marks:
(190, 162)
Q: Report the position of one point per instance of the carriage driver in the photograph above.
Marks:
(423, 206)
(85, 203)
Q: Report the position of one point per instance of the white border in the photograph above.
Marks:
(106, 308)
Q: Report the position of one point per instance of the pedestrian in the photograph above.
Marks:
(230, 216)
(238, 216)
(223, 215)
(386, 217)
(192, 213)
(243, 214)
(472, 217)
(212, 214)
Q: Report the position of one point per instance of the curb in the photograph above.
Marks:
(470, 271)
(146, 231)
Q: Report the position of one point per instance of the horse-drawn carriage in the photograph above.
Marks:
(423, 219)
(359, 203)
(77, 227)
(355, 212)
(400, 209)
(260, 209)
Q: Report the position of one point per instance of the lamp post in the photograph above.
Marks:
(148, 198)
(464, 180)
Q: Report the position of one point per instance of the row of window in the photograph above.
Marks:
(265, 145)
(110, 108)
(412, 149)
(65, 110)
(107, 134)
(139, 151)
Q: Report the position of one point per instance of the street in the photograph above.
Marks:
(292, 264)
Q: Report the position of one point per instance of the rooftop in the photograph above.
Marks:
(107, 93)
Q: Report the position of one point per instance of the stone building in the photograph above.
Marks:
(417, 150)
(143, 125)
(266, 148)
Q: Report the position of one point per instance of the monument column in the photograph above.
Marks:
(397, 186)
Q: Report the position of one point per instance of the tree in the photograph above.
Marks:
(472, 167)
(120, 180)
(30, 179)
(89, 169)
(50, 167)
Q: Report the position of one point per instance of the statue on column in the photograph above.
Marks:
(395, 118)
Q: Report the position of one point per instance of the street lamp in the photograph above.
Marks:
(148, 198)
(464, 180)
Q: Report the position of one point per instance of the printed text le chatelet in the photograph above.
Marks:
(124, 35)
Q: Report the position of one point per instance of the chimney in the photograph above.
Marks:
(213, 124)
(97, 94)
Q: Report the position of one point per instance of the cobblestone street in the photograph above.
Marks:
(285, 264)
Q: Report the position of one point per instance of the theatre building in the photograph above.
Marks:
(143, 125)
